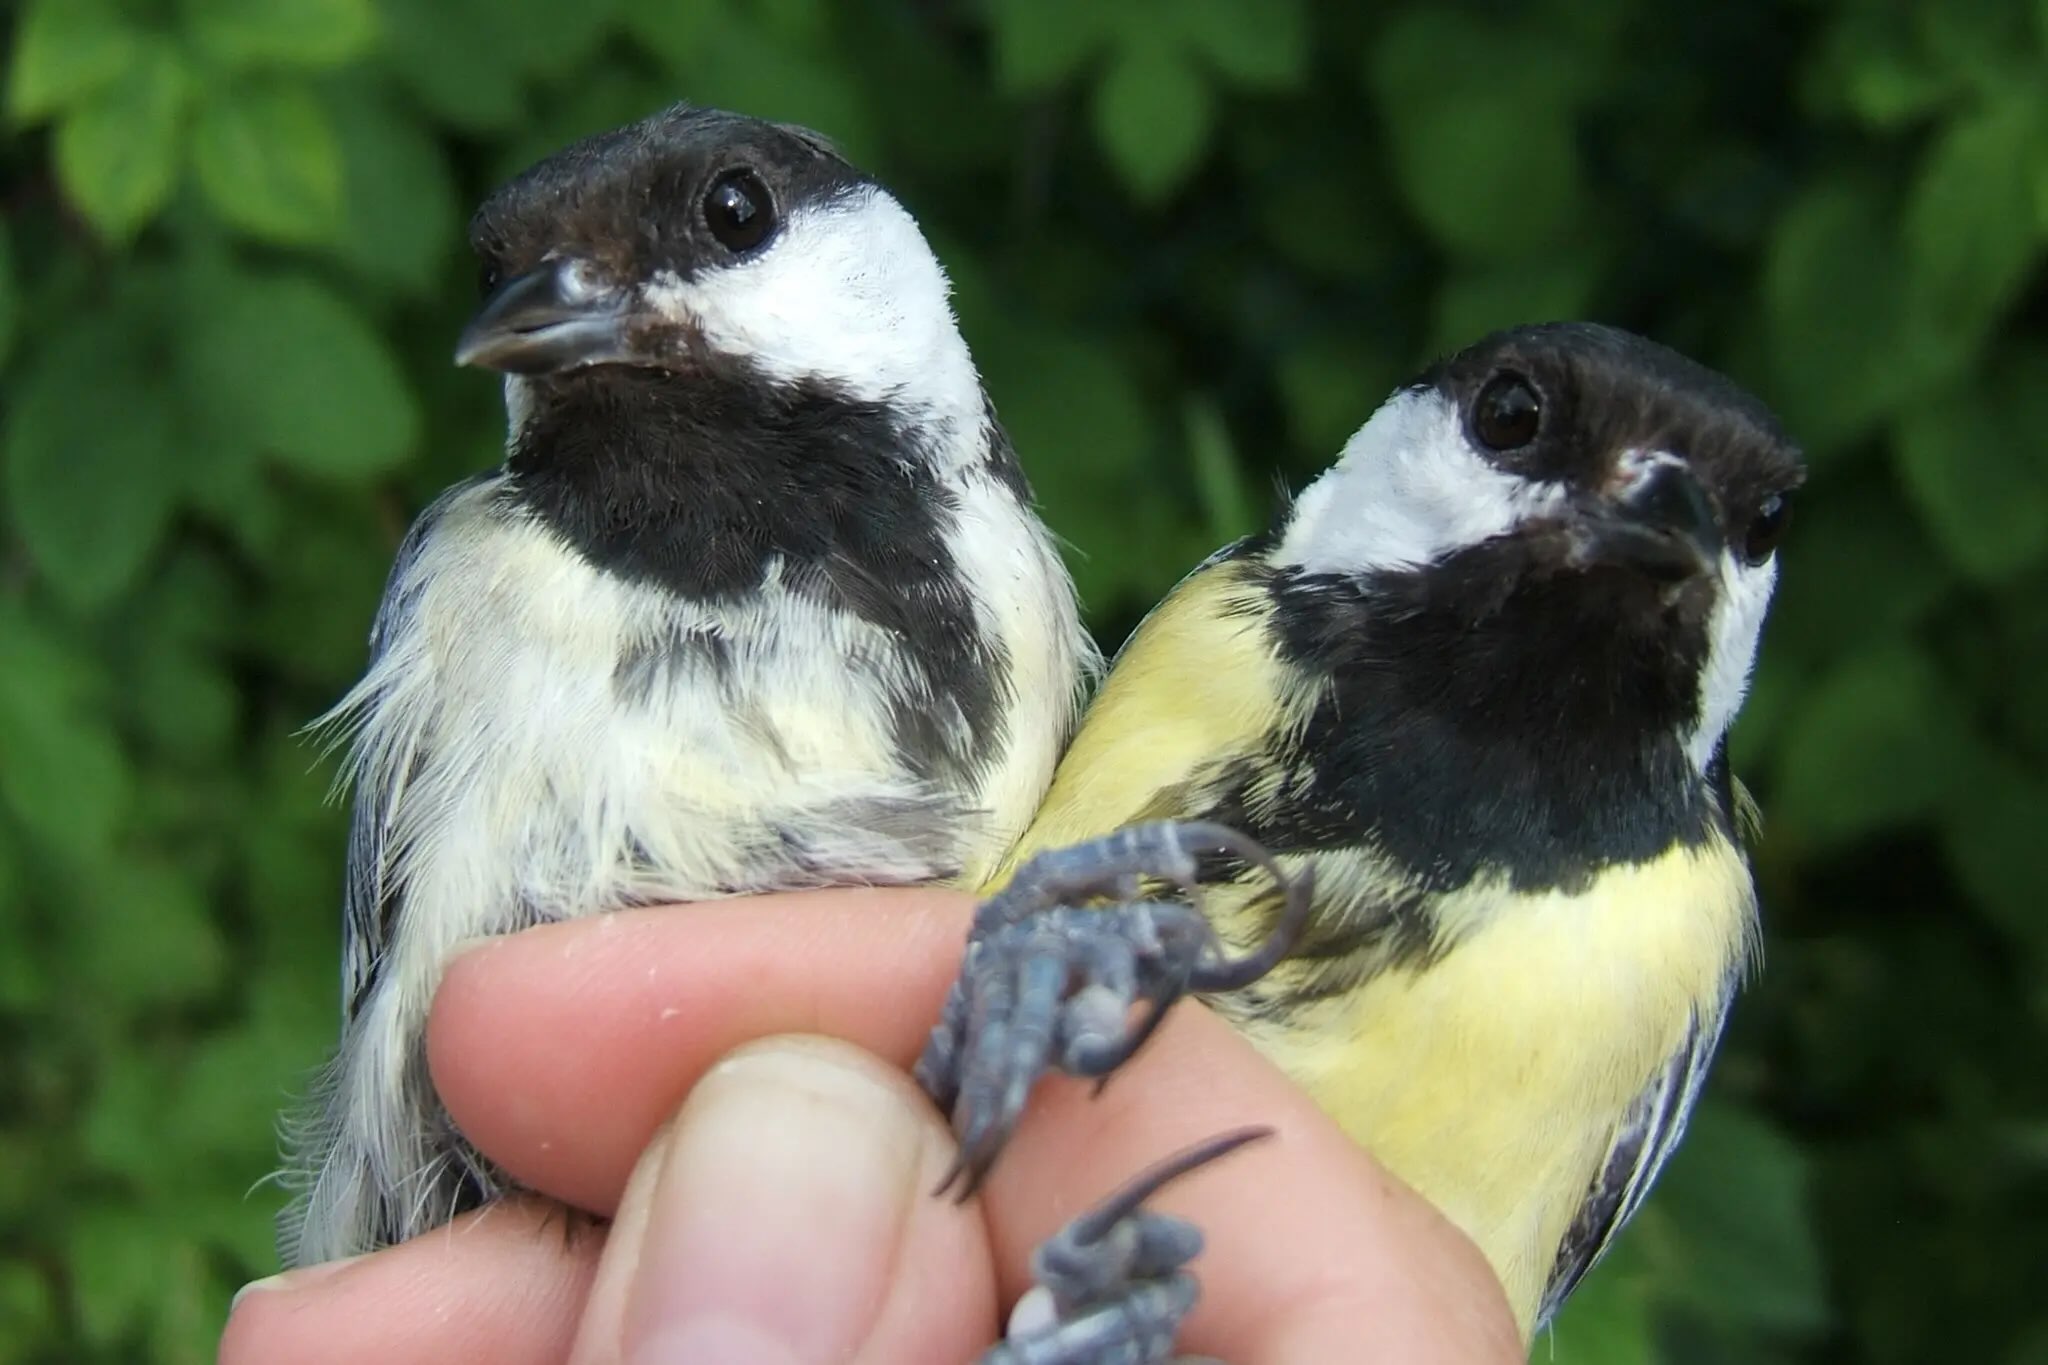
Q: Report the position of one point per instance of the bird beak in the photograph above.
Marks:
(546, 321)
(1660, 523)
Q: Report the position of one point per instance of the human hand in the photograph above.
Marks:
(772, 1193)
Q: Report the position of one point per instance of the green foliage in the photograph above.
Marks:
(1194, 243)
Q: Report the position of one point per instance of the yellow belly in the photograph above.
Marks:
(1493, 1079)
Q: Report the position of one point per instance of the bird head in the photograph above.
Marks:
(1574, 515)
(700, 240)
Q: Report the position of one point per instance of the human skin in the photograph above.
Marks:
(728, 1083)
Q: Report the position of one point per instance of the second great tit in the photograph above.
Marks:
(1474, 688)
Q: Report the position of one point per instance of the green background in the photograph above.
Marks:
(1195, 243)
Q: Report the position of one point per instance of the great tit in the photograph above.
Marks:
(1474, 688)
(757, 601)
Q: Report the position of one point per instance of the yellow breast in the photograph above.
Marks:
(1493, 1078)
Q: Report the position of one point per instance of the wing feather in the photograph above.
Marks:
(1648, 1134)
(369, 906)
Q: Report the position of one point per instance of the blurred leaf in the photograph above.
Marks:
(1973, 462)
(672, 32)
(90, 452)
(143, 934)
(800, 23)
(9, 300)
(268, 158)
(1261, 44)
(1993, 840)
(66, 51)
(400, 220)
(62, 776)
(117, 150)
(329, 399)
(1330, 386)
(1843, 351)
(1475, 302)
(26, 1310)
(1040, 42)
(1986, 46)
(1970, 225)
(315, 33)
(455, 58)
(1871, 67)
(1856, 571)
(224, 1109)
(189, 710)
(547, 39)
(1485, 146)
(1606, 1321)
(1728, 1233)
(1873, 743)
(123, 1261)
(1152, 115)
(739, 66)
(1229, 507)
(1335, 225)
(122, 1131)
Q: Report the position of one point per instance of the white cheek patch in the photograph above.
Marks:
(1732, 636)
(847, 292)
(1409, 490)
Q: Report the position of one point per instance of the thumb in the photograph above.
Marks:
(784, 1216)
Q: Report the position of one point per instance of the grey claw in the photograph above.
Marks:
(1110, 1288)
(1050, 983)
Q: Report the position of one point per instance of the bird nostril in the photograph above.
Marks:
(1667, 497)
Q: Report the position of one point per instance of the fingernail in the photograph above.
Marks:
(302, 1278)
(774, 1223)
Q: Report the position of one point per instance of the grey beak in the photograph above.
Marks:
(542, 322)
(1664, 527)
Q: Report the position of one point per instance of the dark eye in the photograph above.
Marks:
(738, 210)
(1507, 413)
(1767, 528)
(489, 275)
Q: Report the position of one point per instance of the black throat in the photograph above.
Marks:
(697, 482)
(1486, 717)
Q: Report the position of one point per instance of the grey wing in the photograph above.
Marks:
(1645, 1139)
(368, 903)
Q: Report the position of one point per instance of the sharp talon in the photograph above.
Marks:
(1051, 975)
(1112, 1284)
(1093, 1225)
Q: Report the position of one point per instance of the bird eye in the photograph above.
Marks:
(1507, 413)
(738, 210)
(1766, 528)
(489, 276)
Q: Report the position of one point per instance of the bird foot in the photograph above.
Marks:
(1050, 983)
(1110, 1288)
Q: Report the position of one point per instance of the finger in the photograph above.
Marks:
(784, 1218)
(560, 1050)
(1309, 1248)
(1313, 1252)
(503, 1284)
